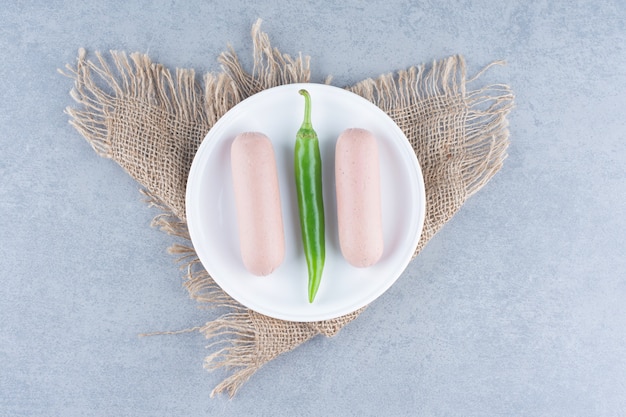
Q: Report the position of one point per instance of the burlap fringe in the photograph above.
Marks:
(482, 152)
(486, 122)
(271, 67)
(236, 333)
(99, 88)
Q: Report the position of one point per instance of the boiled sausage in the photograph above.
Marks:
(359, 213)
(257, 201)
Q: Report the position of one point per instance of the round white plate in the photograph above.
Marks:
(212, 222)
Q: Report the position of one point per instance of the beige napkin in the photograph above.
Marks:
(151, 122)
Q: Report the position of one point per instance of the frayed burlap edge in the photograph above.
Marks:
(484, 124)
(240, 337)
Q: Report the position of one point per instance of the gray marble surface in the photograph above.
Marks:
(516, 308)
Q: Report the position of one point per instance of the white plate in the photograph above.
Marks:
(278, 113)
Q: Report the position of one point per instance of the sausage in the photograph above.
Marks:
(359, 213)
(257, 201)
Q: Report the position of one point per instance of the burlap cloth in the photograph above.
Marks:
(151, 123)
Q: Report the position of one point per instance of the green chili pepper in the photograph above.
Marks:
(308, 169)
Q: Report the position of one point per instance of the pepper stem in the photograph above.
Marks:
(306, 123)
